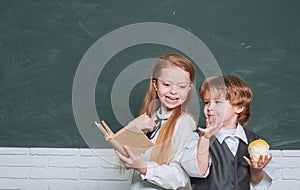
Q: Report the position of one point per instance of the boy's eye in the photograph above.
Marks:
(182, 87)
(205, 102)
(218, 101)
(166, 84)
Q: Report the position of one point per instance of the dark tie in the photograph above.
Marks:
(158, 122)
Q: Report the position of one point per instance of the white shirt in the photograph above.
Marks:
(172, 175)
(189, 158)
(231, 138)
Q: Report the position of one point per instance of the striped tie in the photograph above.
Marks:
(158, 122)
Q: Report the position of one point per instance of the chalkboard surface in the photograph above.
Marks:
(43, 42)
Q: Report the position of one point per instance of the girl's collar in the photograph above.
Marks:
(162, 115)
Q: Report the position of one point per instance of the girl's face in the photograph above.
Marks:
(172, 87)
(218, 110)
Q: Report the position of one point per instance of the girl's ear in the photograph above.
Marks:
(239, 109)
(154, 84)
(191, 87)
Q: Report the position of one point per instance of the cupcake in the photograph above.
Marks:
(257, 148)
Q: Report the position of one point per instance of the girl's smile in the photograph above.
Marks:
(173, 88)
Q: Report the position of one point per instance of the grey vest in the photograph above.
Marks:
(227, 172)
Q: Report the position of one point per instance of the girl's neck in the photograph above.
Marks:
(164, 111)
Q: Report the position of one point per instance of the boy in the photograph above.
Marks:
(222, 150)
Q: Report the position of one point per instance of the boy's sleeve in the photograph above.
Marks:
(265, 183)
(189, 158)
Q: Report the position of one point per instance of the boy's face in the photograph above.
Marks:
(217, 110)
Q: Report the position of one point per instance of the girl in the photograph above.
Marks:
(166, 100)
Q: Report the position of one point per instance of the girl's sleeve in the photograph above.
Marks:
(172, 175)
(168, 176)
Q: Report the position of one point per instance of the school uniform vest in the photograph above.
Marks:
(227, 172)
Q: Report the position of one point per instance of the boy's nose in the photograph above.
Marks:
(209, 107)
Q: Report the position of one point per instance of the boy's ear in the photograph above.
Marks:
(239, 109)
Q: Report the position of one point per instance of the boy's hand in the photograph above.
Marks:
(133, 161)
(260, 164)
(211, 129)
(144, 123)
(203, 144)
(256, 168)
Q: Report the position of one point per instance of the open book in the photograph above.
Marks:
(129, 135)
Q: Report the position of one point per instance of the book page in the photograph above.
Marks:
(134, 138)
(130, 136)
(104, 129)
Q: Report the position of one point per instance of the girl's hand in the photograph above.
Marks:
(260, 164)
(211, 129)
(133, 161)
(108, 138)
(144, 123)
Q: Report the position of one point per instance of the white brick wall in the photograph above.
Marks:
(287, 173)
(84, 169)
(65, 169)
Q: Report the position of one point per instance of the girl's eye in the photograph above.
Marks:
(165, 84)
(183, 87)
(218, 101)
(205, 102)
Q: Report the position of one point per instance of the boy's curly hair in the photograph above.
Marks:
(234, 89)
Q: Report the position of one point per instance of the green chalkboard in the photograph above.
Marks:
(42, 44)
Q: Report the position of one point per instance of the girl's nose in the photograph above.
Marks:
(173, 90)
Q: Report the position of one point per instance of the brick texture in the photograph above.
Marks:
(86, 169)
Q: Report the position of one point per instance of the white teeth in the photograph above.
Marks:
(172, 98)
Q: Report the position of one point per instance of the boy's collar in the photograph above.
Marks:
(239, 133)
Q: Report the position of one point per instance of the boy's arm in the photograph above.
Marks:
(203, 157)
(189, 158)
(197, 151)
(258, 178)
(203, 154)
(256, 175)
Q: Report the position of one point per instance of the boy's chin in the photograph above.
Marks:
(212, 120)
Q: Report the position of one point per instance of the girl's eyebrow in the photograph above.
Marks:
(165, 80)
(183, 82)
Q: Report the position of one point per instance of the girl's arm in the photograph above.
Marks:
(133, 161)
(144, 123)
(171, 175)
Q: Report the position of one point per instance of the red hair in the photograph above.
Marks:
(163, 145)
(234, 89)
